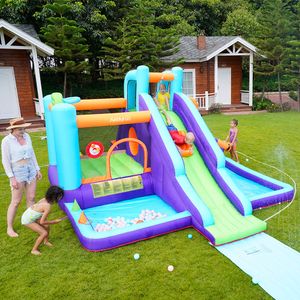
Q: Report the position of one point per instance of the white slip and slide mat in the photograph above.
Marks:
(270, 263)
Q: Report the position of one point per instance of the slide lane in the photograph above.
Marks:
(270, 263)
(229, 224)
(169, 178)
(246, 188)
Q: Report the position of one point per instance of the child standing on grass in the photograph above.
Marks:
(35, 217)
(232, 137)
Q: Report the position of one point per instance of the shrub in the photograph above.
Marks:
(286, 106)
(293, 95)
(215, 108)
(83, 86)
(274, 108)
(260, 103)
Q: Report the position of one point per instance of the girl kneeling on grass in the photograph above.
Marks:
(35, 217)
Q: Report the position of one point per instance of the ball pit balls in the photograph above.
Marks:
(170, 268)
(247, 159)
(190, 236)
(136, 256)
(254, 280)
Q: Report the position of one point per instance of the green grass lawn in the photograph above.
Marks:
(68, 272)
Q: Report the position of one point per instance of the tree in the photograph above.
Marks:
(272, 39)
(172, 14)
(241, 22)
(293, 59)
(21, 11)
(97, 17)
(136, 41)
(65, 36)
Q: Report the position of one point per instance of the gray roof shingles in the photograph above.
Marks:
(188, 47)
(29, 29)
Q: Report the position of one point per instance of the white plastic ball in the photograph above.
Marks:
(170, 268)
(136, 256)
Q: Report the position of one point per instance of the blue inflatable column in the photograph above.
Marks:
(142, 85)
(129, 88)
(176, 86)
(49, 131)
(67, 146)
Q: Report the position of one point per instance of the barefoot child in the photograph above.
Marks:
(232, 137)
(35, 217)
(182, 141)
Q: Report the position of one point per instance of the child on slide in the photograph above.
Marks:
(184, 142)
(35, 217)
(163, 98)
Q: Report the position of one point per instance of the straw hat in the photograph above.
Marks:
(18, 123)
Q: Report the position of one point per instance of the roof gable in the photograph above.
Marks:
(189, 51)
(28, 35)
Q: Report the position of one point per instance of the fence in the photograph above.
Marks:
(244, 97)
(205, 100)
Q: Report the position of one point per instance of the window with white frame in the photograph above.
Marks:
(188, 86)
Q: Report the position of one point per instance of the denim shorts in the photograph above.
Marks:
(24, 172)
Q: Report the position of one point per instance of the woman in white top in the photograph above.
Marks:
(20, 165)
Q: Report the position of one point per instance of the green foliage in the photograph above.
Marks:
(267, 83)
(209, 15)
(114, 36)
(171, 14)
(272, 39)
(260, 103)
(274, 108)
(293, 95)
(136, 41)
(83, 86)
(65, 36)
(293, 59)
(20, 11)
(241, 22)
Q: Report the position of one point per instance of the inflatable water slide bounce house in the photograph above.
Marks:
(142, 187)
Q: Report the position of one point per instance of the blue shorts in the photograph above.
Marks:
(24, 173)
(171, 127)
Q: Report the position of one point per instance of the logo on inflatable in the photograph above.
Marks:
(94, 149)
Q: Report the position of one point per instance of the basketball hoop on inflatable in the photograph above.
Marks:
(94, 149)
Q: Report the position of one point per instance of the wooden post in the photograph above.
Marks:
(251, 79)
(38, 80)
(206, 100)
(216, 78)
(2, 38)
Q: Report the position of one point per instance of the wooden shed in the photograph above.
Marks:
(213, 70)
(20, 84)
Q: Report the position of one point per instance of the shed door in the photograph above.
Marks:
(224, 85)
(9, 102)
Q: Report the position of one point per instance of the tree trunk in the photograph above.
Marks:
(95, 69)
(65, 84)
(279, 90)
(263, 90)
